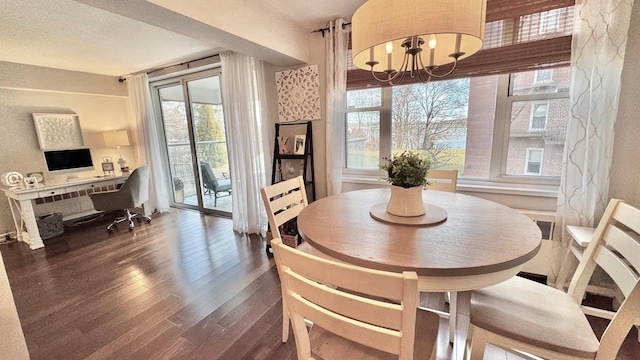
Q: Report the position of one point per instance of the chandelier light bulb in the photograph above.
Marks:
(432, 42)
(389, 47)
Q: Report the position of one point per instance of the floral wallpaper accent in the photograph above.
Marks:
(298, 94)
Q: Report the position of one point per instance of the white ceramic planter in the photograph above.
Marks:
(406, 201)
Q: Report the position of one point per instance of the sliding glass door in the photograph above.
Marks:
(194, 129)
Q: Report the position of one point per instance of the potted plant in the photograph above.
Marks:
(407, 174)
(178, 187)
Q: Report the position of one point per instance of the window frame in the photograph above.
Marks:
(532, 115)
(500, 143)
(546, 26)
(504, 105)
(527, 161)
(536, 80)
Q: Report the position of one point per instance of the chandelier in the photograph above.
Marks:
(389, 36)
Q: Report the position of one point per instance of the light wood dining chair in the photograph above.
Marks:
(443, 180)
(369, 314)
(283, 202)
(547, 322)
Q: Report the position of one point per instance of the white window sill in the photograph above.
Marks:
(470, 186)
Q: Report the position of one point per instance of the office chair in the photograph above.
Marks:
(133, 193)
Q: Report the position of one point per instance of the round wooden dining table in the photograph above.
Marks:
(480, 243)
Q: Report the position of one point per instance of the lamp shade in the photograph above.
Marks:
(379, 22)
(117, 138)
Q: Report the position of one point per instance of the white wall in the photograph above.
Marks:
(101, 103)
(625, 171)
(317, 57)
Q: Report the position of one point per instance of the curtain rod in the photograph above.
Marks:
(186, 63)
(327, 28)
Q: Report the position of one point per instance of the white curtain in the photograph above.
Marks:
(336, 74)
(244, 105)
(147, 135)
(597, 55)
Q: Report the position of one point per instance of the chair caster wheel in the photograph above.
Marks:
(148, 221)
(110, 231)
(130, 229)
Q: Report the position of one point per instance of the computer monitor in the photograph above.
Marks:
(68, 161)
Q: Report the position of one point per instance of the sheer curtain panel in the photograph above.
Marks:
(244, 104)
(148, 138)
(597, 56)
(336, 44)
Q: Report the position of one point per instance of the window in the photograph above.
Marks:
(549, 21)
(487, 128)
(511, 96)
(363, 128)
(533, 164)
(543, 75)
(539, 112)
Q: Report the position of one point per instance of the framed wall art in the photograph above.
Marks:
(58, 131)
(298, 94)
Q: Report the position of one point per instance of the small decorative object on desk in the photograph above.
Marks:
(30, 182)
(407, 173)
(36, 175)
(107, 166)
(12, 179)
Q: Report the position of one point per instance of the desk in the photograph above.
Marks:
(21, 202)
(481, 243)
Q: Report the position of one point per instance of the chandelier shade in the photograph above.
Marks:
(417, 33)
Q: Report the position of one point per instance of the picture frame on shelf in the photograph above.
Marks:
(299, 144)
(283, 149)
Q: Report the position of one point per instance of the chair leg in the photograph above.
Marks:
(478, 344)
(129, 216)
(285, 321)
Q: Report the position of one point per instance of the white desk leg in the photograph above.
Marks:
(32, 237)
(462, 319)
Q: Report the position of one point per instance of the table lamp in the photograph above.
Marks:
(117, 139)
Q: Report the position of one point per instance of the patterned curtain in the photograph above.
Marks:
(597, 56)
(336, 72)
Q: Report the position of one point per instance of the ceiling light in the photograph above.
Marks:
(388, 36)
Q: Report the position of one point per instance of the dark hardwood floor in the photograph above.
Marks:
(183, 287)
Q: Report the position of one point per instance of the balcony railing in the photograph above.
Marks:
(181, 165)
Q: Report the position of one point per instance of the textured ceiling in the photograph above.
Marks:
(71, 35)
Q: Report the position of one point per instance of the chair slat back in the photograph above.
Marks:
(283, 202)
(618, 250)
(615, 247)
(443, 180)
(348, 308)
